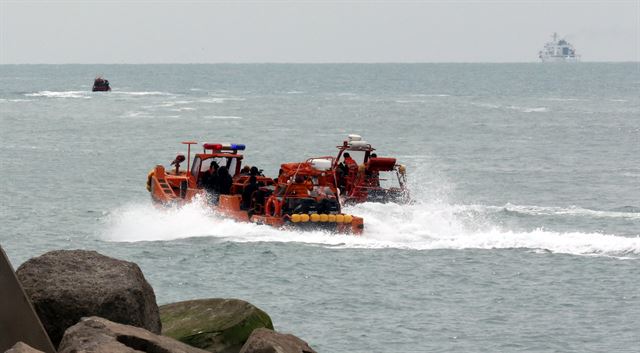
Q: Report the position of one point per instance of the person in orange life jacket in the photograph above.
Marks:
(350, 169)
(352, 166)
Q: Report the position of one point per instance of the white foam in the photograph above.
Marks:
(142, 93)
(61, 94)
(417, 227)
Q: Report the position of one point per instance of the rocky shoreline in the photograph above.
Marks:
(88, 302)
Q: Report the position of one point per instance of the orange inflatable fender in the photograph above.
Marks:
(149, 177)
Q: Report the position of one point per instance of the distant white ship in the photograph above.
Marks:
(558, 51)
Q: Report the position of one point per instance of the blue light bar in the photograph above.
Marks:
(237, 146)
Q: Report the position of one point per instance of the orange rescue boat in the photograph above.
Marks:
(303, 196)
(365, 177)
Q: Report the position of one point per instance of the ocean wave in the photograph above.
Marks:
(487, 105)
(182, 109)
(512, 107)
(528, 109)
(412, 227)
(60, 94)
(16, 100)
(223, 117)
(430, 95)
(136, 114)
(628, 212)
(219, 100)
(559, 99)
(142, 93)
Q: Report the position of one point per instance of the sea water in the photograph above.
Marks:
(523, 234)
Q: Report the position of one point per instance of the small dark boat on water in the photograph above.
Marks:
(100, 85)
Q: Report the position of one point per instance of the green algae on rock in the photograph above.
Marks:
(216, 325)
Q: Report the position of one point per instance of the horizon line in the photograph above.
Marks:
(326, 63)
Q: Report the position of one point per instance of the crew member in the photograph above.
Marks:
(224, 181)
(210, 178)
(255, 171)
(248, 191)
(374, 175)
(351, 168)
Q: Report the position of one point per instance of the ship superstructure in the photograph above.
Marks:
(558, 50)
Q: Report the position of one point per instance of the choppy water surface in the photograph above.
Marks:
(524, 234)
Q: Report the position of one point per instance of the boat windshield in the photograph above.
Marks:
(231, 165)
(201, 166)
(195, 168)
(357, 156)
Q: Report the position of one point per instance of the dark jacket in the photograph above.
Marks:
(224, 181)
(210, 182)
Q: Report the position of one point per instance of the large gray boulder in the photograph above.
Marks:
(21, 347)
(66, 285)
(98, 335)
(268, 341)
(217, 325)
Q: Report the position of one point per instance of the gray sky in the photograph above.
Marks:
(138, 31)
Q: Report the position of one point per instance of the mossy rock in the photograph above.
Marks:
(216, 325)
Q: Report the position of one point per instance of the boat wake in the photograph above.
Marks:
(419, 226)
(142, 93)
(89, 94)
(61, 94)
